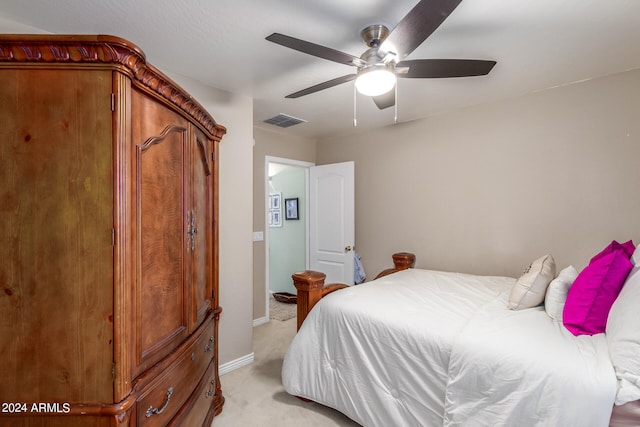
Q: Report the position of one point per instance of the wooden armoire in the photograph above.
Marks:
(109, 301)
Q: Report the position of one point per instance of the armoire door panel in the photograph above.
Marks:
(56, 219)
(161, 285)
(160, 145)
(201, 237)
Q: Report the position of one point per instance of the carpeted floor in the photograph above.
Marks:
(280, 310)
(254, 393)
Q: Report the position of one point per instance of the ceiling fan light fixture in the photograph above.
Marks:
(375, 80)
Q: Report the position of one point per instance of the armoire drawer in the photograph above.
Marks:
(200, 402)
(162, 398)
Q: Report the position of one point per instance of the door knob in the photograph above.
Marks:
(348, 249)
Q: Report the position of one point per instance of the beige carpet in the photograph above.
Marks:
(280, 310)
(254, 393)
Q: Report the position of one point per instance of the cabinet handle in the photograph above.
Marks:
(152, 410)
(211, 390)
(194, 230)
(188, 230)
(191, 231)
(209, 346)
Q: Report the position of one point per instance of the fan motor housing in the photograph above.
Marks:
(374, 35)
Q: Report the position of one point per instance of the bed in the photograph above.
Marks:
(418, 347)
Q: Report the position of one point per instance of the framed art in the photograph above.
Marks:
(276, 220)
(275, 210)
(291, 208)
(274, 200)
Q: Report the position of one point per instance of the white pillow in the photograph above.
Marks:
(623, 338)
(635, 258)
(557, 292)
(530, 288)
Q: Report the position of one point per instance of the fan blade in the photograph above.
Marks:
(416, 26)
(442, 68)
(316, 50)
(322, 86)
(385, 100)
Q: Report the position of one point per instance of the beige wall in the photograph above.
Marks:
(487, 189)
(269, 142)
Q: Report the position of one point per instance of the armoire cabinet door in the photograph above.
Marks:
(160, 140)
(201, 232)
(174, 220)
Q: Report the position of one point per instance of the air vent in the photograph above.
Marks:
(284, 121)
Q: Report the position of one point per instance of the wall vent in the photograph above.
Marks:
(284, 121)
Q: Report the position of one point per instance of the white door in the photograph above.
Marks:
(331, 221)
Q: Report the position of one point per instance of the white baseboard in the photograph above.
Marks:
(225, 368)
(260, 321)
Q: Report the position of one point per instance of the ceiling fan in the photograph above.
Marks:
(378, 66)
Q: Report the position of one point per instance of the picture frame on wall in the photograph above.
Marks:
(291, 208)
(276, 219)
(274, 200)
(275, 210)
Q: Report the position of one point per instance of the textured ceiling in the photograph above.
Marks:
(537, 44)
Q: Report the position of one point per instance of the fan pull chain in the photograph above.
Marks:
(355, 100)
(395, 115)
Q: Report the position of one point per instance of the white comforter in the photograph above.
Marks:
(427, 348)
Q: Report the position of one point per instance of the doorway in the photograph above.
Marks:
(286, 231)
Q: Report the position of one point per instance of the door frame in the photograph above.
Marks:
(287, 162)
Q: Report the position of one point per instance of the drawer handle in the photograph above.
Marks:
(211, 390)
(209, 346)
(152, 410)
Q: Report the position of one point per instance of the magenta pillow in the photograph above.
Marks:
(593, 293)
(627, 247)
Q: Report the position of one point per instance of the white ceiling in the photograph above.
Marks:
(538, 44)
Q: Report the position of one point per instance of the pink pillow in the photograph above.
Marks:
(627, 247)
(593, 293)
